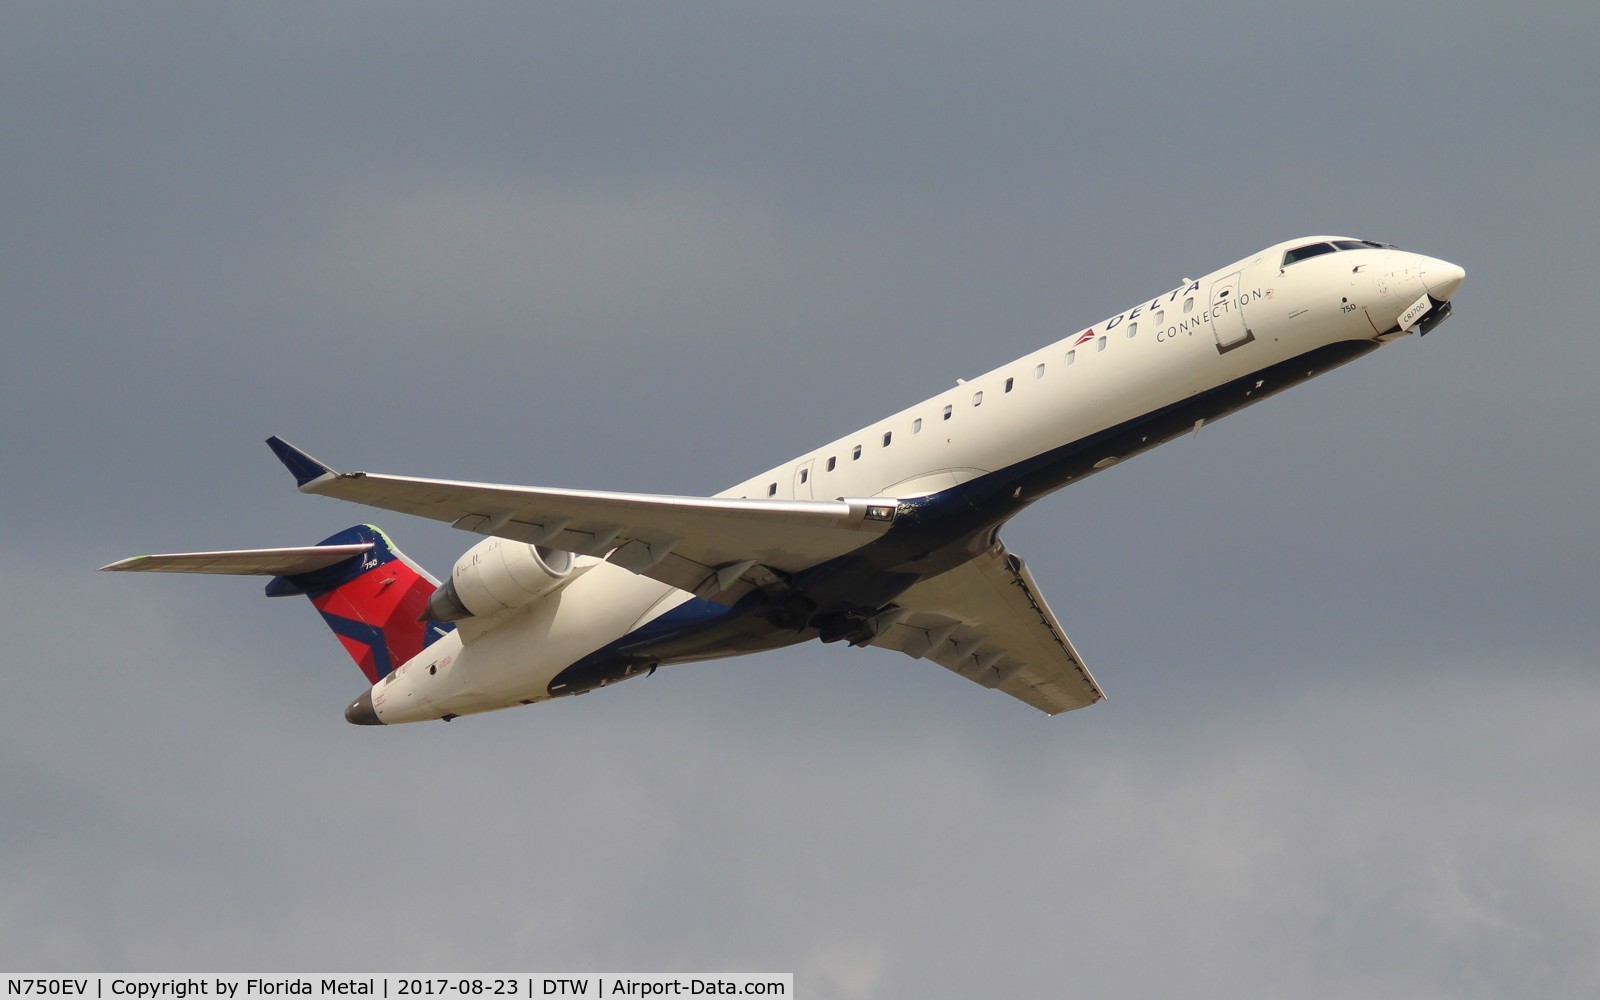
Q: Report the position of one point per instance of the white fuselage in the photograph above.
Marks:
(1253, 316)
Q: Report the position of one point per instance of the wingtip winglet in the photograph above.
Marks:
(305, 469)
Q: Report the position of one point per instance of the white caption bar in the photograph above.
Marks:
(520, 985)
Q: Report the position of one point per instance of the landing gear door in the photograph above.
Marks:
(1227, 314)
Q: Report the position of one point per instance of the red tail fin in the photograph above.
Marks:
(372, 601)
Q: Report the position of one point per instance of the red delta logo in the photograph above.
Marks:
(1084, 337)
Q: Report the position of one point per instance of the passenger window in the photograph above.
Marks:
(1100, 344)
(772, 490)
(805, 474)
(886, 436)
(947, 411)
(832, 461)
(854, 455)
(1038, 370)
(1008, 384)
(1188, 304)
(1072, 356)
(916, 426)
(977, 398)
(1160, 317)
(1133, 329)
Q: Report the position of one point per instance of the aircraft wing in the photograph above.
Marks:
(715, 547)
(986, 621)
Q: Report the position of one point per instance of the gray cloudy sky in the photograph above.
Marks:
(1350, 636)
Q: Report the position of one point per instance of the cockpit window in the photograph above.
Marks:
(1332, 246)
(1306, 252)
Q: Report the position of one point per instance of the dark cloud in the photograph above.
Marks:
(1347, 635)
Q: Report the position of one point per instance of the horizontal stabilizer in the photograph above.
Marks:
(366, 590)
(242, 562)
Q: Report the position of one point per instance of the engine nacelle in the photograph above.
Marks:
(497, 575)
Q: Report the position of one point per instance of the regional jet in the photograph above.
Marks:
(887, 536)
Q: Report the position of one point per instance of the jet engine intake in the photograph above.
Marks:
(497, 575)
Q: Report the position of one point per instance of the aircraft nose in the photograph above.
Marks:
(361, 712)
(1441, 277)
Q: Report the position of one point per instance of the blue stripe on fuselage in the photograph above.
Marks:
(930, 535)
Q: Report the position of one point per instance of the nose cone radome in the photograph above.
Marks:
(361, 712)
(1442, 278)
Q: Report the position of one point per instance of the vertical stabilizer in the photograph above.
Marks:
(372, 601)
